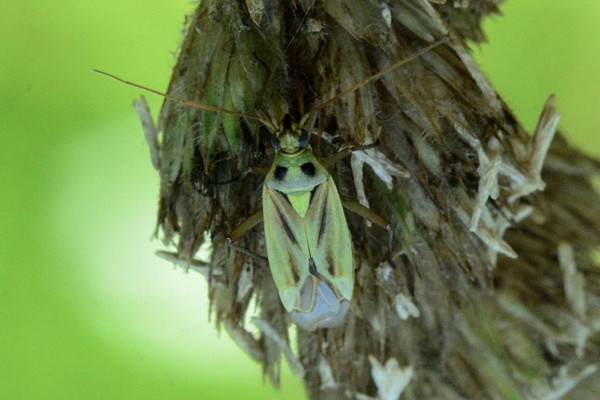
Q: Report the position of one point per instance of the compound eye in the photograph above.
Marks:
(275, 142)
(303, 140)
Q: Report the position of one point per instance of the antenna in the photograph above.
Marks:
(372, 78)
(265, 122)
(262, 119)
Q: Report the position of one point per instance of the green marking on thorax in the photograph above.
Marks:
(300, 202)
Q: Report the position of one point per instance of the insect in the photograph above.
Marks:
(309, 247)
(308, 241)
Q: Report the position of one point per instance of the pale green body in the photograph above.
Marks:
(305, 225)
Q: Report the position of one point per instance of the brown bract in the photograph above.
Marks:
(501, 223)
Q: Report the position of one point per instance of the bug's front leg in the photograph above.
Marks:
(343, 153)
(260, 171)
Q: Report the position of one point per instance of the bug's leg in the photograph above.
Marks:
(345, 153)
(377, 219)
(261, 171)
(241, 230)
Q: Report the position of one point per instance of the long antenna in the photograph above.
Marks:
(372, 78)
(186, 102)
(265, 121)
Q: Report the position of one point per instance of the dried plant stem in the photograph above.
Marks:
(500, 224)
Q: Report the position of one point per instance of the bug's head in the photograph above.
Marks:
(289, 138)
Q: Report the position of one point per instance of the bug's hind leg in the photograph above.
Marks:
(377, 219)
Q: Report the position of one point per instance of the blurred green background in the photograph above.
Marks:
(87, 311)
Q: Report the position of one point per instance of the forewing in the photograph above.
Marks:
(287, 246)
(329, 238)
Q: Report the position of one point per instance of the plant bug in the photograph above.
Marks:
(309, 246)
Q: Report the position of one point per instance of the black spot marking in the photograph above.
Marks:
(312, 268)
(330, 266)
(285, 196)
(308, 169)
(286, 228)
(295, 274)
(312, 194)
(323, 221)
(280, 172)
